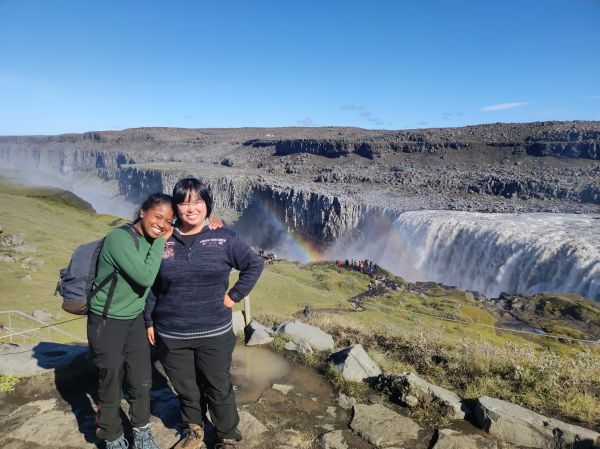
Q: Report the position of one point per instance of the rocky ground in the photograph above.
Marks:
(297, 410)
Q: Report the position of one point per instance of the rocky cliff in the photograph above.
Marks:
(321, 182)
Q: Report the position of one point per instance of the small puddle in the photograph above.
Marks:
(254, 370)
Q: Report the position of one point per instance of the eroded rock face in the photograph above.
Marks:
(322, 182)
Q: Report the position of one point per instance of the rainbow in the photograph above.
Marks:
(294, 247)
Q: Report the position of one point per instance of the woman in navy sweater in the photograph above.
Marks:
(189, 313)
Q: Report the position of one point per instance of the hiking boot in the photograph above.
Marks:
(143, 438)
(192, 438)
(226, 443)
(119, 443)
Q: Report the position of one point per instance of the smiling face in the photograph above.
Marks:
(192, 212)
(156, 220)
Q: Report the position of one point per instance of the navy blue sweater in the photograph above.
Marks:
(186, 301)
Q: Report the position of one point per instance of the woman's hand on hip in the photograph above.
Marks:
(150, 333)
(228, 302)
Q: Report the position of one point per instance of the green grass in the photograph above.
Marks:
(8, 383)
(53, 226)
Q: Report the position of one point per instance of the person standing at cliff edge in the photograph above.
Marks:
(188, 315)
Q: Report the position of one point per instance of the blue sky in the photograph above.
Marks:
(73, 66)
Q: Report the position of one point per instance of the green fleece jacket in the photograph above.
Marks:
(137, 270)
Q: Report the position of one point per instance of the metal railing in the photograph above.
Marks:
(17, 329)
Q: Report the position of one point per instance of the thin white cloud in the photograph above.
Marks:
(503, 106)
(594, 97)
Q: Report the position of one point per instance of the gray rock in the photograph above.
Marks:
(412, 390)
(451, 439)
(315, 337)
(332, 440)
(7, 258)
(375, 399)
(257, 334)
(383, 427)
(302, 346)
(8, 240)
(284, 389)
(355, 364)
(522, 427)
(249, 426)
(41, 315)
(50, 428)
(29, 360)
(346, 402)
(239, 322)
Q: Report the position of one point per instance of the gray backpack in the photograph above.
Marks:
(76, 282)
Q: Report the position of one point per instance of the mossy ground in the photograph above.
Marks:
(550, 376)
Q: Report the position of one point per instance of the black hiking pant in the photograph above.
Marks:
(121, 351)
(200, 368)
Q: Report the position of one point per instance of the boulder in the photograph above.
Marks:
(522, 427)
(451, 439)
(315, 337)
(383, 427)
(239, 322)
(411, 390)
(355, 364)
(332, 440)
(257, 334)
(346, 402)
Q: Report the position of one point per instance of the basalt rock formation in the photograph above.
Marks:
(323, 182)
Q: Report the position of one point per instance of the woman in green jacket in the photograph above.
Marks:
(117, 334)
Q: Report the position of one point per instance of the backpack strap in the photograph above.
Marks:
(114, 276)
(133, 233)
(111, 292)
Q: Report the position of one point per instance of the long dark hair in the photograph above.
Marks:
(191, 185)
(154, 200)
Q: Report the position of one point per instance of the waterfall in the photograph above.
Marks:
(491, 253)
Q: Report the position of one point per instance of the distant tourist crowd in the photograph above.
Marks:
(362, 265)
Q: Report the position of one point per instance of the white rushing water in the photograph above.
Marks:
(490, 253)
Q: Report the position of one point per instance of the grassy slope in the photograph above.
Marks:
(54, 228)
(548, 376)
